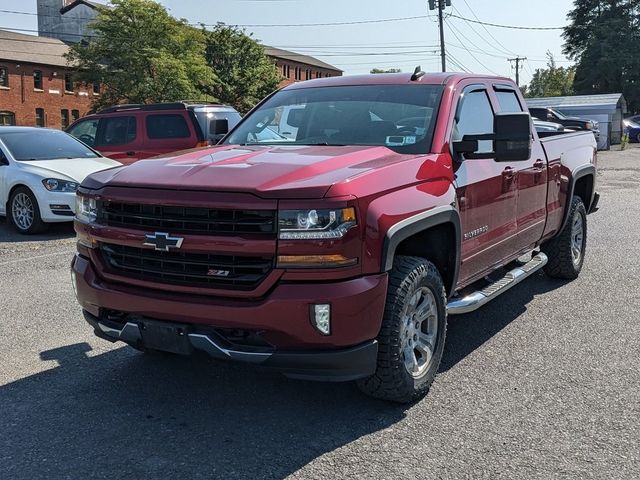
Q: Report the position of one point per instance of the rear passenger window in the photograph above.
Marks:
(508, 101)
(475, 117)
(167, 126)
(116, 131)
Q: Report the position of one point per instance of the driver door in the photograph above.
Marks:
(486, 190)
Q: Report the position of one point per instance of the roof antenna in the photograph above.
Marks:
(417, 74)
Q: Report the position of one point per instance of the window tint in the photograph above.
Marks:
(508, 101)
(39, 117)
(85, 131)
(44, 145)
(7, 119)
(37, 79)
(4, 77)
(167, 126)
(116, 131)
(475, 117)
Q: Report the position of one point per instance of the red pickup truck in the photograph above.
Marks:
(337, 252)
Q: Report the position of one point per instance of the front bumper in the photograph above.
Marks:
(331, 365)
(281, 319)
(56, 206)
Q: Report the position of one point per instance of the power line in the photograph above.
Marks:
(517, 60)
(505, 49)
(451, 28)
(513, 27)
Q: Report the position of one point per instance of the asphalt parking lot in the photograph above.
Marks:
(542, 383)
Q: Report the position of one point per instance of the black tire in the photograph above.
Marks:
(562, 262)
(392, 380)
(36, 225)
(638, 138)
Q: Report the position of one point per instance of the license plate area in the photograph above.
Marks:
(165, 336)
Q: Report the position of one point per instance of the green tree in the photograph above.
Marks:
(389, 70)
(552, 81)
(602, 38)
(141, 54)
(246, 74)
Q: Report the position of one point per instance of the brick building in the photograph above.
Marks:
(295, 67)
(36, 87)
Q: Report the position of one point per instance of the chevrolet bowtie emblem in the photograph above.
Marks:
(162, 241)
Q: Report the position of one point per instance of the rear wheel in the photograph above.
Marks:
(412, 336)
(25, 212)
(566, 251)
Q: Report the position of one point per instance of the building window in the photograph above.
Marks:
(39, 117)
(68, 83)
(7, 119)
(64, 115)
(37, 79)
(4, 77)
(318, 74)
(298, 73)
(286, 71)
(307, 74)
(96, 89)
(75, 115)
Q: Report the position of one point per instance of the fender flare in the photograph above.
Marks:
(408, 227)
(578, 173)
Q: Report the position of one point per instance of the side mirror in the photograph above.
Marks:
(296, 117)
(512, 137)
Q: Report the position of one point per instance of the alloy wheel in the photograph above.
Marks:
(23, 211)
(419, 331)
(577, 238)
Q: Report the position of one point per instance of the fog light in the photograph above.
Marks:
(321, 317)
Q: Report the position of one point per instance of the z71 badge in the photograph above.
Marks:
(476, 232)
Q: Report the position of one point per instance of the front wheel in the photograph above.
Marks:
(566, 251)
(411, 340)
(25, 212)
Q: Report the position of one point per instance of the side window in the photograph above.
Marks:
(475, 117)
(4, 77)
(85, 131)
(37, 80)
(508, 101)
(116, 131)
(167, 126)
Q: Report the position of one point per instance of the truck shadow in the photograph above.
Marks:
(123, 414)
(466, 333)
(56, 231)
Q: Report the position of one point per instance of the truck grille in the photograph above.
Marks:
(188, 269)
(187, 220)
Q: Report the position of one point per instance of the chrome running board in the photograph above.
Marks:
(475, 300)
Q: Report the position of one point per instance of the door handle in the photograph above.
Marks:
(538, 164)
(508, 173)
(130, 153)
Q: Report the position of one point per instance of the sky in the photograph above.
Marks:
(400, 43)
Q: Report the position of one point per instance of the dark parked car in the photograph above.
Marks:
(552, 115)
(128, 133)
(632, 129)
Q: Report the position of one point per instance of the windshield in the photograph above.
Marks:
(561, 116)
(32, 145)
(400, 117)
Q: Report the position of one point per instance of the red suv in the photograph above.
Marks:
(128, 133)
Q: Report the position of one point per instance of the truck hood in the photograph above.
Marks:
(267, 171)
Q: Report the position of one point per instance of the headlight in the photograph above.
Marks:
(315, 223)
(56, 185)
(86, 209)
(589, 125)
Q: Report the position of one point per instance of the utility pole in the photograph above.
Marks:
(441, 4)
(517, 60)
